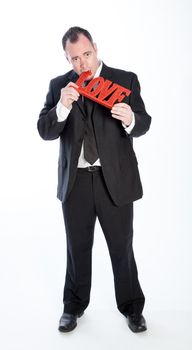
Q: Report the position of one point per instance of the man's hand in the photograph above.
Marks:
(69, 94)
(123, 112)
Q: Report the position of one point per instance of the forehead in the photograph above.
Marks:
(76, 49)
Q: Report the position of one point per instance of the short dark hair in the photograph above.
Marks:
(73, 33)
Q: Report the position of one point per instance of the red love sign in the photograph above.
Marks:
(99, 89)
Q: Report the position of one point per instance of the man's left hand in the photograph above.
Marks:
(123, 112)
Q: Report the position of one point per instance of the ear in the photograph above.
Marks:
(66, 57)
(95, 47)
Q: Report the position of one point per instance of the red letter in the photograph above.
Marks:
(118, 95)
(82, 78)
(99, 81)
(107, 90)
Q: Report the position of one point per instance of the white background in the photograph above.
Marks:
(152, 39)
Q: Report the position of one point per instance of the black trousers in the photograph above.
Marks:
(89, 199)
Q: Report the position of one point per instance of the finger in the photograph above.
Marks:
(72, 97)
(71, 88)
(121, 104)
(70, 91)
(119, 109)
(120, 112)
(72, 84)
(73, 93)
(117, 117)
(122, 119)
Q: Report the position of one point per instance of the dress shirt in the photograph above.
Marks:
(63, 112)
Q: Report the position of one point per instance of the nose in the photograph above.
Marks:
(83, 64)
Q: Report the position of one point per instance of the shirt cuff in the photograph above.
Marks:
(130, 127)
(62, 112)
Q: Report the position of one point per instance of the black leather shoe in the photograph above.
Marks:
(68, 322)
(137, 323)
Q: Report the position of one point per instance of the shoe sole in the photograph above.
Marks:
(65, 330)
(137, 330)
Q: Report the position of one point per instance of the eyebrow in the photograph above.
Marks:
(87, 52)
(84, 53)
(74, 57)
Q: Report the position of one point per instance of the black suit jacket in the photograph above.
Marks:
(118, 160)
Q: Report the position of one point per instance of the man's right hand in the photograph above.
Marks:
(69, 94)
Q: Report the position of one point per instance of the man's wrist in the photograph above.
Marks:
(129, 128)
(62, 111)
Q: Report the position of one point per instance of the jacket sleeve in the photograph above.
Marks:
(142, 119)
(48, 126)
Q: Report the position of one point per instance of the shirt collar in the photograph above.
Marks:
(98, 71)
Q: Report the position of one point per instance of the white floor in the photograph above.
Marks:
(36, 328)
(32, 271)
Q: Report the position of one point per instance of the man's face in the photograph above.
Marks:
(82, 55)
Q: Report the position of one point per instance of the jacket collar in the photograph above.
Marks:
(73, 76)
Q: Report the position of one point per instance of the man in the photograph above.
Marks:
(97, 177)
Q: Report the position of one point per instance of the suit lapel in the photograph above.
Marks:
(106, 72)
(73, 77)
